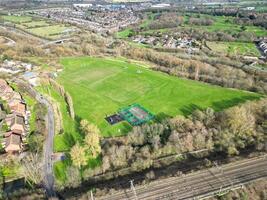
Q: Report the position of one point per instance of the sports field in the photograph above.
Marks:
(101, 86)
(38, 26)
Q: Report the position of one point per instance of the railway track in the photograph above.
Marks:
(198, 185)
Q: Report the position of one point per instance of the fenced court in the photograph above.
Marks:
(135, 114)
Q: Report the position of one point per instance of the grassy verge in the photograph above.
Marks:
(63, 142)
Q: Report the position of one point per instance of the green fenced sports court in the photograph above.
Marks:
(135, 114)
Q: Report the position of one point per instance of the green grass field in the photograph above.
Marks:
(34, 24)
(124, 33)
(38, 26)
(16, 19)
(100, 86)
(53, 31)
(235, 48)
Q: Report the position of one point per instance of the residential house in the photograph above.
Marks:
(6, 92)
(17, 105)
(13, 142)
(16, 123)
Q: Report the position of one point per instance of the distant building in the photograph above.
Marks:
(81, 5)
(32, 78)
(249, 8)
(161, 5)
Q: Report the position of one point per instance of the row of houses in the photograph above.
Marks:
(16, 119)
(166, 41)
(14, 67)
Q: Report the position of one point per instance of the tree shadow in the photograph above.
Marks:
(77, 121)
(69, 140)
(223, 104)
(161, 117)
(188, 109)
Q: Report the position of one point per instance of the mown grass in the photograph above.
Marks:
(37, 26)
(17, 19)
(65, 140)
(52, 31)
(99, 87)
(34, 24)
(235, 48)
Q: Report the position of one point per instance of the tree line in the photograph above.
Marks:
(60, 89)
(223, 72)
(226, 132)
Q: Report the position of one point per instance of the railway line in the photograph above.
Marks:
(198, 185)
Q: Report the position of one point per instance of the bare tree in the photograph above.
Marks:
(32, 169)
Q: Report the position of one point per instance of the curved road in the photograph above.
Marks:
(48, 147)
(48, 181)
(199, 185)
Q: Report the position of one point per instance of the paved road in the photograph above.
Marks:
(48, 145)
(198, 185)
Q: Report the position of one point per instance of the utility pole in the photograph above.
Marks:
(92, 196)
(133, 189)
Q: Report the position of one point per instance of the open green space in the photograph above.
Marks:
(124, 33)
(38, 26)
(226, 24)
(101, 86)
(16, 19)
(221, 24)
(69, 136)
(34, 24)
(53, 31)
(235, 48)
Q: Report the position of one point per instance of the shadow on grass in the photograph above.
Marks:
(218, 105)
(69, 140)
(60, 168)
(161, 117)
(221, 105)
(94, 162)
(124, 129)
(77, 122)
(188, 109)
